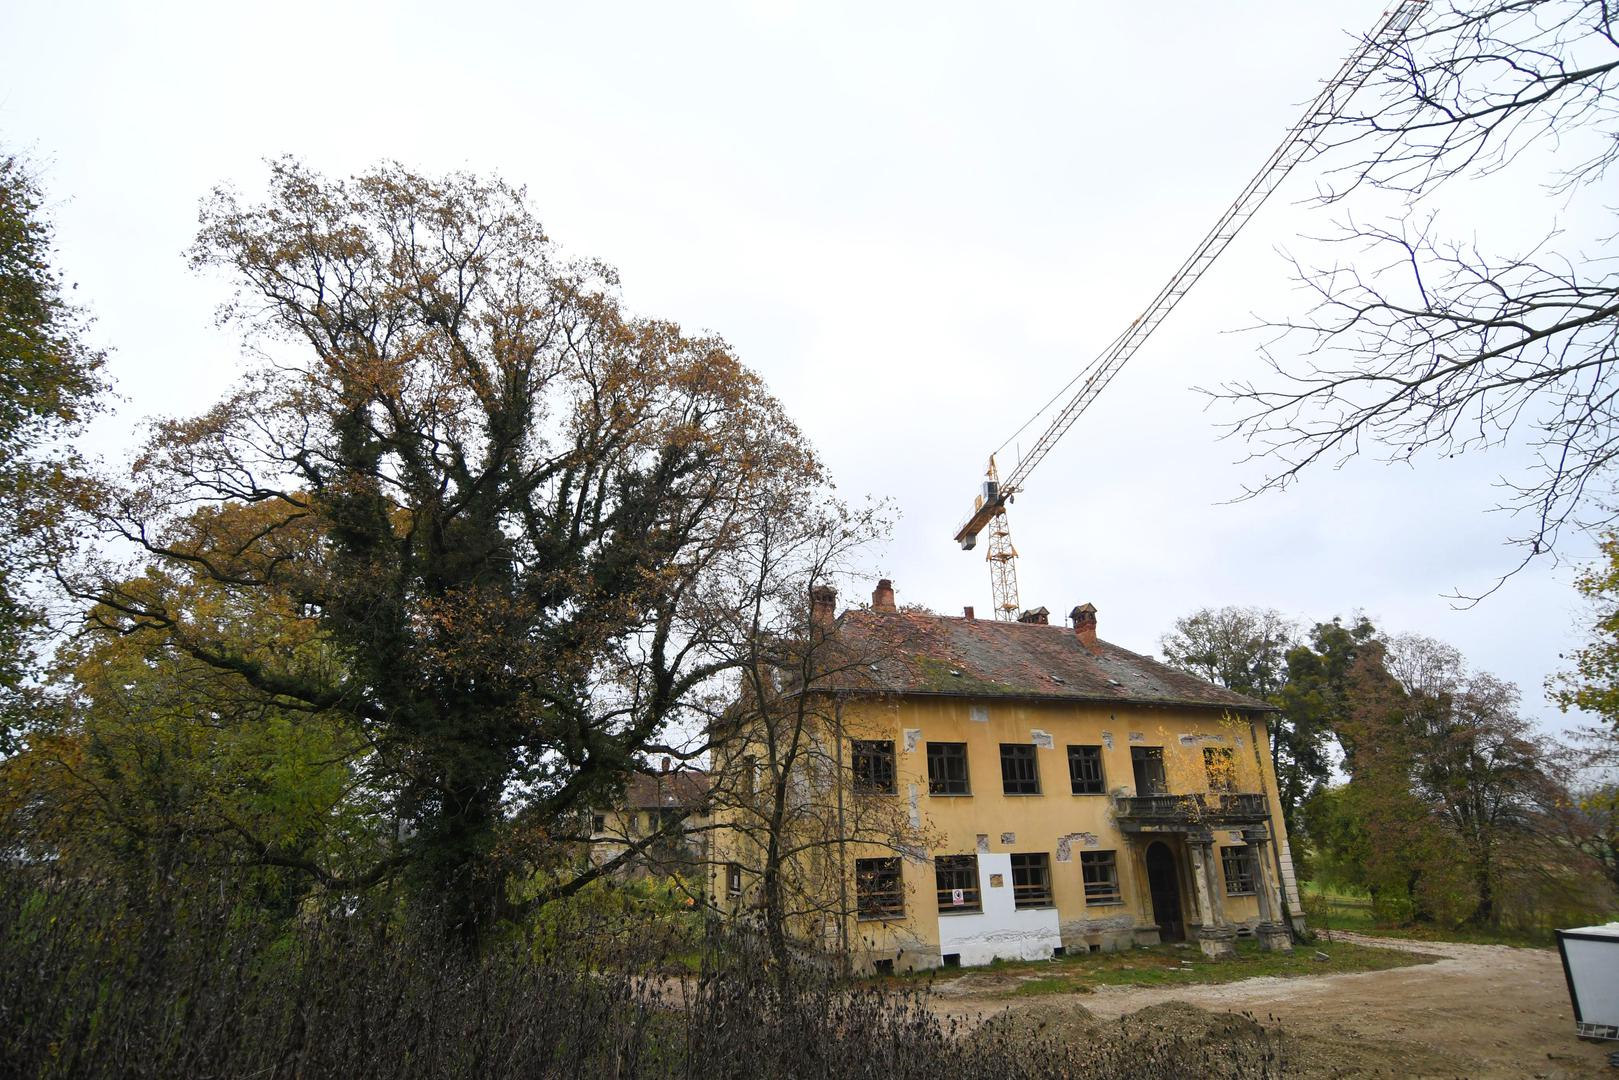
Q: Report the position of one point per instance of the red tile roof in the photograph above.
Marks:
(679, 788)
(909, 652)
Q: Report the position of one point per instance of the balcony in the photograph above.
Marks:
(1219, 808)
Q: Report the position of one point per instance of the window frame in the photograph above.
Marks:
(1100, 780)
(1246, 861)
(1018, 755)
(1107, 861)
(888, 902)
(951, 872)
(938, 786)
(1034, 890)
(733, 879)
(1146, 754)
(1226, 785)
(868, 751)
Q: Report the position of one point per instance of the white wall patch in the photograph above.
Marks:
(1008, 837)
(1001, 929)
(978, 713)
(1042, 739)
(983, 843)
(913, 735)
(916, 808)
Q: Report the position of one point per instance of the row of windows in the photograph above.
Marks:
(880, 891)
(872, 762)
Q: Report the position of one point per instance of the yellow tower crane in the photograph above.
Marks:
(989, 508)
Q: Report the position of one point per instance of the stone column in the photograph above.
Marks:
(1273, 934)
(1214, 937)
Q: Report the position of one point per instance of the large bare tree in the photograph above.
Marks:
(1420, 343)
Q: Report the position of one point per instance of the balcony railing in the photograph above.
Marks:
(1219, 808)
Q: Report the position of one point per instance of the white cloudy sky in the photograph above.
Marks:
(916, 220)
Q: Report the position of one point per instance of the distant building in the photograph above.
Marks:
(674, 800)
(1080, 797)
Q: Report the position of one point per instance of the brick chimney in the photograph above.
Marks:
(967, 613)
(823, 605)
(882, 597)
(1039, 616)
(666, 764)
(1084, 617)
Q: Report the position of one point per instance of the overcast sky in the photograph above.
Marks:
(917, 221)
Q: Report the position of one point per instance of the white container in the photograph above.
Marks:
(1591, 964)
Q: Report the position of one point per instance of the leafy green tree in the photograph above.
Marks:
(50, 379)
(159, 770)
(1257, 651)
(522, 520)
(1593, 684)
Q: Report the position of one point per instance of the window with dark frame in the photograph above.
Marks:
(1101, 873)
(1031, 879)
(1220, 764)
(879, 890)
(872, 762)
(1148, 765)
(733, 879)
(1020, 772)
(598, 822)
(947, 768)
(1241, 873)
(1085, 770)
(956, 877)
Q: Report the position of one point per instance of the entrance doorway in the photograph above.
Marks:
(1164, 881)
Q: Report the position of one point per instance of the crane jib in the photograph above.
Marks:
(1350, 76)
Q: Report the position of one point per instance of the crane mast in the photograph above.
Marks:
(989, 508)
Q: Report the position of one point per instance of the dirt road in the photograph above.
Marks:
(1481, 1011)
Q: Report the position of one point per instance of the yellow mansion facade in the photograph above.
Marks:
(1061, 794)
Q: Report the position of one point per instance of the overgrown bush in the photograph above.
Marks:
(91, 986)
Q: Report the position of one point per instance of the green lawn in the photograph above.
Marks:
(1167, 965)
(1329, 912)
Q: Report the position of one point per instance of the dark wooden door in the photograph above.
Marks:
(1164, 882)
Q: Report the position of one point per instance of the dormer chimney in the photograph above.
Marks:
(666, 764)
(967, 613)
(1084, 617)
(882, 597)
(823, 605)
(1039, 616)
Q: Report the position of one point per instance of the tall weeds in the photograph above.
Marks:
(92, 985)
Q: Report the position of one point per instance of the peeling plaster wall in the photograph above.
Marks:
(1000, 930)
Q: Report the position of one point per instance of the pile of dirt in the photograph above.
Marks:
(1177, 1039)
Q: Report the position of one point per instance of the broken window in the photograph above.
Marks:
(733, 879)
(1241, 871)
(1031, 879)
(1221, 766)
(1085, 770)
(947, 768)
(598, 822)
(1148, 763)
(1020, 775)
(956, 877)
(872, 762)
(669, 818)
(1101, 872)
(879, 890)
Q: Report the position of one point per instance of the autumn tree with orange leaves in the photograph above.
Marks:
(511, 512)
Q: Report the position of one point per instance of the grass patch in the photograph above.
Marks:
(1166, 965)
(1332, 912)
